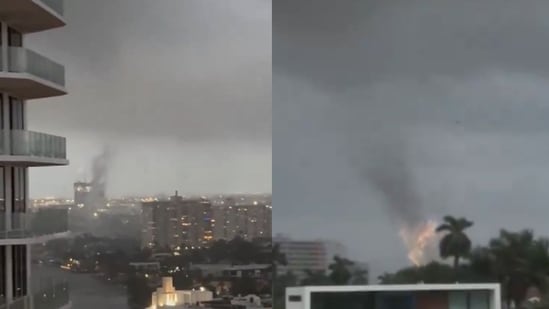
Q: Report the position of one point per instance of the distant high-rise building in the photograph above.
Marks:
(303, 255)
(82, 191)
(249, 219)
(177, 223)
(26, 75)
(89, 197)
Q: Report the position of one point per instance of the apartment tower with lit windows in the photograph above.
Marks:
(26, 75)
(177, 224)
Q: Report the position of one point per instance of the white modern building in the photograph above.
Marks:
(414, 296)
(26, 75)
(307, 255)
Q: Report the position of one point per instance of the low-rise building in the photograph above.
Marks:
(255, 271)
(213, 270)
(228, 271)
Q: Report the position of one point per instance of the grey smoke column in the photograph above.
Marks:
(100, 167)
(389, 173)
(379, 154)
(99, 171)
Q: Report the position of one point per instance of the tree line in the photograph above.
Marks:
(518, 261)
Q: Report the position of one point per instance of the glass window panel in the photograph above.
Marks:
(394, 300)
(17, 114)
(458, 300)
(2, 193)
(2, 274)
(479, 300)
(15, 38)
(18, 189)
(349, 300)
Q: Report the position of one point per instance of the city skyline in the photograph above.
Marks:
(151, 100)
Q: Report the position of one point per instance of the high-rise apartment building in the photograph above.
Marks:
(26, 75)
(89, 196)
(246, 219)
(82, 191)
(177, 223)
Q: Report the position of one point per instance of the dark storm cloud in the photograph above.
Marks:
(176, 88)
(366, 41)
(458, 87)
(190, 69)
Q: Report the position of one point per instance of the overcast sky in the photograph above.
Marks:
(180, 89)
(459, 86)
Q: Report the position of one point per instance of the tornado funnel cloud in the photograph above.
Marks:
(388, 172)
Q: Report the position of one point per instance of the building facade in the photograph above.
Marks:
(82, 191)
(247, 219)
(177, 224)
(89, 197)
(304, 255)
(26, 75)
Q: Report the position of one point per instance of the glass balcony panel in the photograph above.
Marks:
(35, 144)
(22, 60)
(35, 224)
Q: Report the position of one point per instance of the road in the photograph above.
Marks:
(86, 291)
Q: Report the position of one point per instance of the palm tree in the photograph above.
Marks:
(455, 243)
(520, 261)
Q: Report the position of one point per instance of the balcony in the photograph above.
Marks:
(50, 296)
(34, 227)
(28, 148)
(29, 75)
(32, 15)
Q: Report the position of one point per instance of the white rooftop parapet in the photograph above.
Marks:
(414, 296)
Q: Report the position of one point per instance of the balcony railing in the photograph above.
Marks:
(55, 5)
(35, 224)
(22, 60)
(52, 296)
(34, 144)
